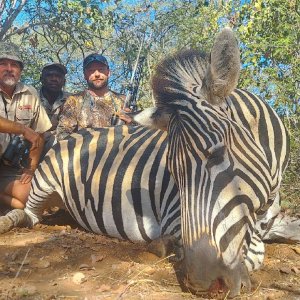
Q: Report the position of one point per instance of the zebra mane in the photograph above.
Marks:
(191, 74)
(178, 75)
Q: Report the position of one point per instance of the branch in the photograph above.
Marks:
(12, 14)
(2, 5)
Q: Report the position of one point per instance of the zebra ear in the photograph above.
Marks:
(223, 73)
(153, 117)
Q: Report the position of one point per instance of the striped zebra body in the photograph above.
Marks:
(113, 181)
(111, 176)
(211, 179)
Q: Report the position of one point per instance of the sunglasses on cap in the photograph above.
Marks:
(94, 58)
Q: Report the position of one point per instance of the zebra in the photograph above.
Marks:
(205, 177)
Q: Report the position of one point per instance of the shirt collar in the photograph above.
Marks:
(20, 88)
(59, 100)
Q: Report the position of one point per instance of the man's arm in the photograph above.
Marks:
(7, 126)
(34, 157)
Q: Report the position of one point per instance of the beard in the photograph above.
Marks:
(12, 81)
(97, 85)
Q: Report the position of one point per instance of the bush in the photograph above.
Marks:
(290, 190)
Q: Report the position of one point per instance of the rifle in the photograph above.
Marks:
(133, 87)
(134, 84)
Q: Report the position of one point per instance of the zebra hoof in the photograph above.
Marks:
(165, 246)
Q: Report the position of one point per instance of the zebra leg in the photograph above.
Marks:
(275, 226)
(255, 253)
(42, 195)
(31, 215)
(166, 245)
(15, 218)
(284, 229)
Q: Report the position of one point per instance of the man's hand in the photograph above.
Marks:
(125, 117)
(27, 175)
(32, 136)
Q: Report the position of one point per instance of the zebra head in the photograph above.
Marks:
(221, 173)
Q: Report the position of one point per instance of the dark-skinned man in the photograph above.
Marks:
(53, 97)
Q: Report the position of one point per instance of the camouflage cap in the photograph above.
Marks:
(10, 51)
(58, 66)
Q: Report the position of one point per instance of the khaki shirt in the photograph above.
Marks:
(86, 111)
(53, 111)
(25, 108)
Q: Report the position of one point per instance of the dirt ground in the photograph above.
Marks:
(64, 262)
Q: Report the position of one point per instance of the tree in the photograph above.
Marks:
(10, 10)
(269, 31)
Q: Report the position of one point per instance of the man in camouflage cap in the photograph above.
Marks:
(18, 103)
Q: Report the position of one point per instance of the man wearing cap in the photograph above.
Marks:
(19, 103)
(95, 106)
(53, 97)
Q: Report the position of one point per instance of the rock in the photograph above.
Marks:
(14, 255)
(86, 267)
(78, 278)
(43, 264)
(104, 288)
(149, 270)
(295, 270)
(296, 249)
(96, 258)
(25, 291)
(285, 270)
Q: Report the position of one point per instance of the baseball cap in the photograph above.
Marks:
(59, 66)
(94, 57)
(10, 51)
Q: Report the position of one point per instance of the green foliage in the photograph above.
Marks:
(269, 32)
(290, 190)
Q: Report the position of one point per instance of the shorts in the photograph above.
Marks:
(8, 174)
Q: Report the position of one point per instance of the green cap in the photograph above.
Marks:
(10, 51)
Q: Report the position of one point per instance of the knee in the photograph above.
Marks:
(18, 204)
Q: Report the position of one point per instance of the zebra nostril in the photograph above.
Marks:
(218, 286)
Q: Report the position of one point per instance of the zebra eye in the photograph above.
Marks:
(216, 157)
(197, 88)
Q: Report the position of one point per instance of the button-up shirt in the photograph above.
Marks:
(24, 107)
(53, 111)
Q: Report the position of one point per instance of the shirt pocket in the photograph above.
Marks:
(24, 117)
